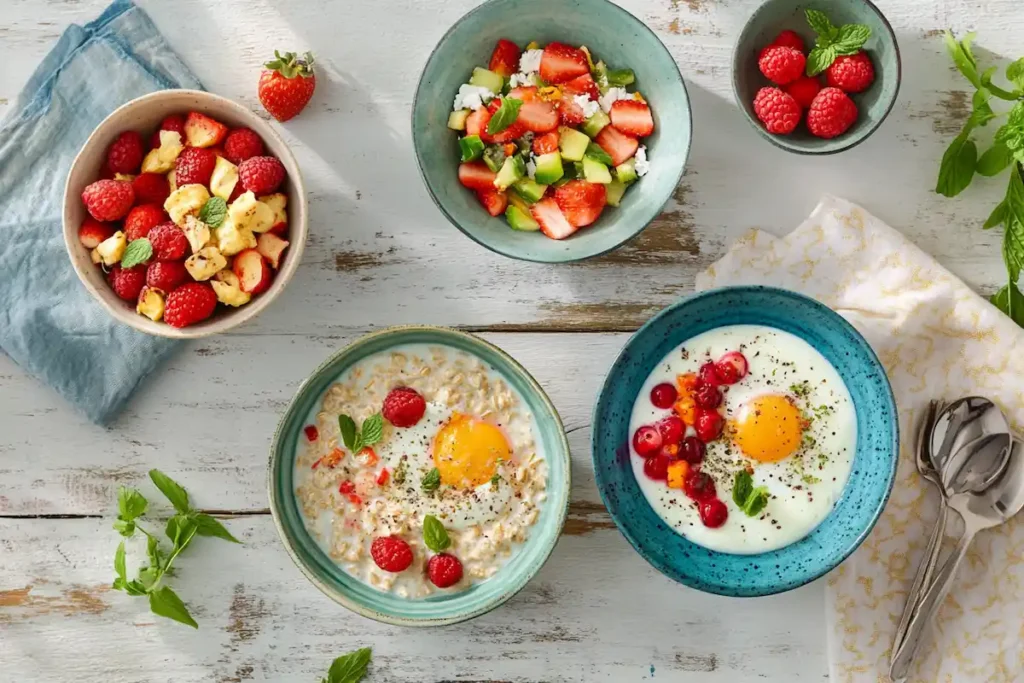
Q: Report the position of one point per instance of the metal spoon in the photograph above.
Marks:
(961, 422)
(978, 464)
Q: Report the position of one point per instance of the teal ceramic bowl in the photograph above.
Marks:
(439, 609)
(612, 34)
(873, 105)
(866, 491)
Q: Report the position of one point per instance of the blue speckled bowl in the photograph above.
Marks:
(863, 498)
(439, 609)
(612, 34)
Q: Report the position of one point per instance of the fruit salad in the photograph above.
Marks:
(190, 220)
(548, 137)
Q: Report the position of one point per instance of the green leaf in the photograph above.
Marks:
(1012, 132)
(119, 584)
(819, 59)
(595, 152)
(134, 587)
(957, 168)
(350, 668)
(119, 562)
(130, 504)
(981, 111)
(1010, 301)
(997, 216)
(756, 502)
(995, 160)
(211, 526)
(348, 431)
(137, 252)
(125, 528)
(148, 576)
(214, 211)
(1015, 72)
(373, 429)
(166, 603)
(742, 487)
(505, 116)
(620, 78)
(153, 551)
(962, 56)
(180, 529)
(434, 534)
(171, 489)
(851, 38)
(431, 480)
(820, 24)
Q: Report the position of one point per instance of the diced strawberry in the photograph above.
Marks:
(505, 58)
(570, 113)
(582, 85)
(92, 232)
(202, 131)
(524, 93)
(581, 202)
(495, 202)
(632, 117)
(476, 176)
(551, 219)
(537, 116)
(513, 132)
(618, 145)
(476, 124)
(561, 63)
(545, 144)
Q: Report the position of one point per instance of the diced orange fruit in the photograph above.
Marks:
(686, 408)
(687, 383)
(677, 472)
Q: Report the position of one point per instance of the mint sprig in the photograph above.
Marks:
(214, 211)
(832, 41)
(357, 439)
(749, 499)
(137, 252)
(349, 668)
(505, 116)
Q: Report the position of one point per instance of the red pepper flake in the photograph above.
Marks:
(346, 488)
(383, 477)
(312, 433)
(354, 499)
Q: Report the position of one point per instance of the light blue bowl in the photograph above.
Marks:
(862, 500)
(612, 34)
(439, 609)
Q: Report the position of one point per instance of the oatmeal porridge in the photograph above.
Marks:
(420, 471)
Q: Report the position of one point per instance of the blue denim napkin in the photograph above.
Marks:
(49, 324)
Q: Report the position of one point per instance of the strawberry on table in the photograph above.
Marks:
(495, 202)
(617, 144)
(552, 221)
(632, 117)
(581, 202)
(505, 58)
(286, 85)
(561, 63)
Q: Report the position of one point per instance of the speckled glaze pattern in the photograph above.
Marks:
(440, 609)
(612, 34)
(874, 104)
(863, 498)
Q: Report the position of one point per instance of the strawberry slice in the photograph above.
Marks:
(551, 219)
(619, 146)
(537, 116)
(476, 176)
(570, 113)
(495, 202)
(632, 117)
(581, 202)
(505, 58)
(476, 124)
(524, 93)
(545, 144)
(561, 63)
(582, 85)
(513, 132)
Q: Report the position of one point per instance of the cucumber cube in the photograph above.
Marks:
(620, 78)
(472, 147)
(549, 168)
(487, 79)
(530, 190)
(512, 170)
(457, 119)
(613, 193)
(596, 123)
(572, 143)
(595, 171)
(518, 219)
(516, 199)
(626, 172)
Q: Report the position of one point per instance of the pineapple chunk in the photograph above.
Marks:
(205, 263)
(111, 249)
(232, 239)
(224, 178)
(95, 256)
(197, 232)
(172, 181)
(186, 201)
(161, 159)
(229, 290)
(277, 202)
(249, 212)
(124, 177)
(151, 303)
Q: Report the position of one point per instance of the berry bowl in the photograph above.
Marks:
(869, 71)
(754, 515)
(469, 61)
(380, 525)
(213, 256)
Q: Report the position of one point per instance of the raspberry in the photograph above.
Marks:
(127, 282)
(175, 122)
(789, 39)
(391, 554)
(781, 64)
(778, 111)
(646, 440)
(692, 450)
(709, 425)
(671, 429)
(242, 144)
(851, 73)
(699, 486)
(663, 395)
(151, 188)
(169, 242)
(832, 112)
(261, 175)
(166, 275)
(403, 407)
(189, 304)
(194, 165)
(803, 90)
(125, 153)
(444, 570)
(141, 219)
(108, 200)
(708, 397)
(713, 513)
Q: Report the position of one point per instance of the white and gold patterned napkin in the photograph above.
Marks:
(937, 339)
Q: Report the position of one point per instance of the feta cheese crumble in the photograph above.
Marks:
(531, 168)
(518, 79)
(588, 105)
(529, 61)
(471, 97)
(640, 161)
(611, 96)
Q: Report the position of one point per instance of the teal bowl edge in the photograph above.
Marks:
(334, 582)
(706, 585)
(421, 163)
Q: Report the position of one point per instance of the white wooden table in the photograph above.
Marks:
(380, 253)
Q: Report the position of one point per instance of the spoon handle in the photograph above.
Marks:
(922, 579)
(929, 606)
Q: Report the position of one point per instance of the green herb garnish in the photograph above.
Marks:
(435, 536)
(505, 116)
(749, 499)
(431, 480)
(214, 211)
(349, 668)
(357, 439)
(137, 252)
(801, 390)
(832, 41)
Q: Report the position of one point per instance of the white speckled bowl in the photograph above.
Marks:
(144, 115)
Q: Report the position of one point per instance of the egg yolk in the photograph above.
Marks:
(768, 428)
(467, 450)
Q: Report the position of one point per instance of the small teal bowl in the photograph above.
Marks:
(612, 34)
(873, 105)
(862, 500)
(439, 609)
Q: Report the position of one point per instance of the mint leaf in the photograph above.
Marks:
(373, 429)
(119, 565)
(171, 489)
(1015, 73)
(137, 252)
(180, 529)
(981, 111)
(166, 603)
(434, 534)
(153, 551)
(595, 152)
(997, 216)
(134, 587)
(349, 668)
(1011, 133)
(211, 526)
(995, 160)
(851, 38)
(958, 163)
(505, 116)
(348, 431)
(742, 487)
(1010, 301)
(125, 528)
(214, 211)
(431, 480)
(962, 56)
(820, 24)
(819, 59)
(130, 504)
(756, 502)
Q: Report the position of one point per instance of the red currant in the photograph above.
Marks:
(731, 367)
(699, 486)
(671, 429)
(709, 375)
(709, 425)
(713, 512)
(708, 397)
(663, 395)
(656, 467)
(692, 450)
(646, 440)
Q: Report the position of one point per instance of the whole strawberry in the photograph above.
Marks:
(189, 304)
(108, 200)
(832, 113)
(287, 84)
(261, 175)
(127, 282)
(242, 144)
(125, 153)
(194, 165)
(851, 73)
(777, 110)
(169, 242)
(141, 219)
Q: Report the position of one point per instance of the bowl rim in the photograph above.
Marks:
(417, 99)
(781, 586)
(343, 599)
(229, 319)
(780, 140)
